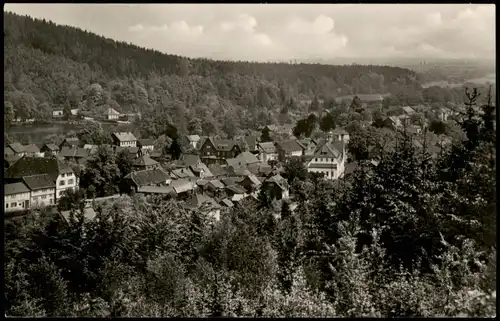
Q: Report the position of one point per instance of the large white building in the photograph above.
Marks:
(329, 159)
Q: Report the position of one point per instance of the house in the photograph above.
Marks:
(267, 152)
(201, 170)
(10, 160)
(339, 134)
(144, 162)
(252, 142)
(288, 148)
(188, 160)
(133, 151)
(150, 177)
(49, 150)
(60, 173)
(405, 120)
(214, 188)
(57, 113)
(443, 113)
(200, 201)
(74, 154)
(16, 197)
(183, 173)
(232, 190)
(408, 110)
(146, 144)
(310, 146)
(217, 170)
(329, 160)
(392, 122)
(43, 189)
(183, 188)
(112, 114)
(124, 139)
(74, 111)
(193, 140)
(276, 187)
(217, 151)
(247, 158)
(251, 183)
(32, 150)
(70, 142)
(260, 169)
(14, 149)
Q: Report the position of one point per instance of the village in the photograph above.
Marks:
(220, 172)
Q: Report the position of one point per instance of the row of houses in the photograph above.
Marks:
(32, 181)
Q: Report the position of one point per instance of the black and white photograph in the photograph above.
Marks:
(264, 160)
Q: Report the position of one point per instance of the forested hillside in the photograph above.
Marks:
(47, 66)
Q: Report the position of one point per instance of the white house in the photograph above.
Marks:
(16, 197)
(147, 145)
(112, 114)
(57, 113)
(43, 189)
(125, 139)
(329, 160)
(339, 134)
(65, 180)
(267, 152)
(193, 140)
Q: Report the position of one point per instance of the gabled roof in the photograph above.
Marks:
(17, 147)
(247, 158)
(253, 179)
(267, 147)
(149, 176)
(35, 182)
(145, 160)
(182, 185)
(225, 144)
(125, 136)
(231, 180)
(236, 189)
(227, 202)
(327, 149)
(52, 147)
(408, 110)
(146, 142)
(251, 142)
(216, 183)
(217, 170)
(198, 200)
(291, 145)
(155, 189)
(206, 170)
(190, 160)
(183, 172)
(259, 168)
(31, 148)
(27, 166)
(112, 111)
(395, 120)
(278, 180)
(15, 188)
(193, 138)
(11, 159)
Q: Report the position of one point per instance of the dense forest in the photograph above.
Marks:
(413, 236)
(47, 67)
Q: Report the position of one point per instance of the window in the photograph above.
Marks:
(61, 183)
(61, 193)
(62, 175)
(208, 153)
(316, 160)
(6, 205)
(13, 204)
(71, 181)
(44, 197)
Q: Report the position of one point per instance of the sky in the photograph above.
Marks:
(283, 32)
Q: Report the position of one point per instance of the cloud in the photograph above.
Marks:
(291, 31)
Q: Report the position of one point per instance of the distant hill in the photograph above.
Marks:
(48, 66)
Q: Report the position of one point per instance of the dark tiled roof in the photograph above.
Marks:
(190, 160)
(146, 142)
(290, 145)
(31, 148)
(125, 136)
(231, 180)
(17, 147)
(183, 172)
(146, 177)
(145, 160)
(278, 180)
(236, 189)
(223, 145)
(247, 158)
(36, 165)
(52, 147)
(217, 170)
(197, 200)
(251, 142)
(35, 182)
(11, 159)
(216, 183)
(182, 185)
(15, 188)
(268, 147)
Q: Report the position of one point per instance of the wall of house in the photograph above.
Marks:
(17, 199)
(64, 182)
(43, 197)
(113, 116)
(132, 143)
